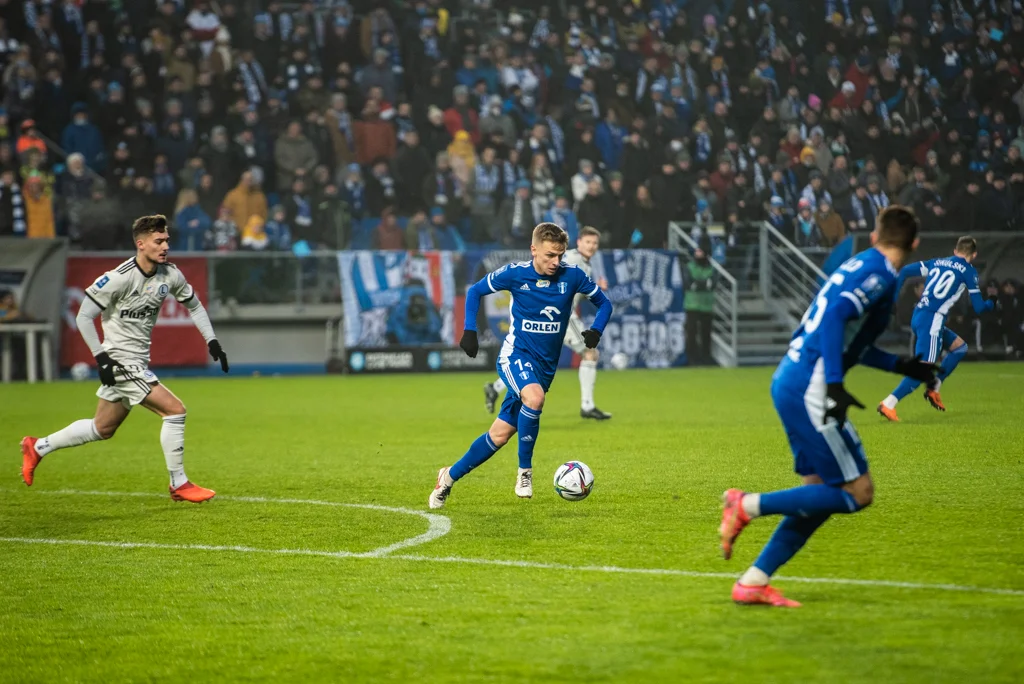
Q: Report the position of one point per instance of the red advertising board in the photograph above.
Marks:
(176, 342)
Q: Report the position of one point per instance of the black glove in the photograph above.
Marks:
(591, 338)
(218, 354)
(916, 369)
(838, 403)
(469, 343)
(106, 366)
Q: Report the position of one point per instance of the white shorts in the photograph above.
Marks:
(574, 335)
(134, 383)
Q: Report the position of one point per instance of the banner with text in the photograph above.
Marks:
(176, 342)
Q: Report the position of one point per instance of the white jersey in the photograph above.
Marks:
(574, 257)
(131, 301)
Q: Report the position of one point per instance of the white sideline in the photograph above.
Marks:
(441, 525)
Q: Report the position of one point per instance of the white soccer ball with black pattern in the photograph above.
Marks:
(620, 361)
(574, 481)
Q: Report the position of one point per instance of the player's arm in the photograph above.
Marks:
(592, 335)
(493, 282)
(918, 268)
(862, 349)
(979, 303)
(187, 297)
(98, 297)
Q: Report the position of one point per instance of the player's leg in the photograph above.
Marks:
(587, 370)
(162, 402)
(482, 448)
(109, 416)
(831, 461)
(927, 345)
(528, 427)
(492, 390)
(956, 351)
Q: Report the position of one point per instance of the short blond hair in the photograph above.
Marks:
(550, 232)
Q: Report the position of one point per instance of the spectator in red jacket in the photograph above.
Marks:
(461, 116)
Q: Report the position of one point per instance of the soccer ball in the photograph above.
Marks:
(620, 361)
(574, 481)
(80, 371)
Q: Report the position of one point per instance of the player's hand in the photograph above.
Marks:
(839, 402)
(106, 367)
(591, 338)
(218, 354)
(916, 369)
(469, 343)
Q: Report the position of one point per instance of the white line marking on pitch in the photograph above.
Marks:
(439, 526)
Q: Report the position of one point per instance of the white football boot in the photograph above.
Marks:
(442, 489)
(524, 483)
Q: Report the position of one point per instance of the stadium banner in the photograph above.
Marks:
(401, 301)
(176, 342)
(417, 359)
(398, 298)
(647, 324)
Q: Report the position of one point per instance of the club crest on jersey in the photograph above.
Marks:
(543, 283)
(163, 290)
(562, 288)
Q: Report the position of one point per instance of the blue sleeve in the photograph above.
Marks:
(832, 329)
(473, 295)
(918, 268)
(980, 304)
(604, 310)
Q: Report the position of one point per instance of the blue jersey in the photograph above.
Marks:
(947, 279)
(846, 317)
(540, 309)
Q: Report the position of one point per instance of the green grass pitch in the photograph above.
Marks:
(150, 605)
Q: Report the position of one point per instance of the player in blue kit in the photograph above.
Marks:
(807, 389)
(948, 279)
(542, 293)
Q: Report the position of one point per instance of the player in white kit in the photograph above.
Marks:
(586, 247)
(129, 299)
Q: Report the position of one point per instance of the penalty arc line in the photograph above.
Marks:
(441, 525)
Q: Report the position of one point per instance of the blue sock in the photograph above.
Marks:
(808, 501)
(529, 426)
(479, 451)
(952, 359)
(788, 538)
(905, 387)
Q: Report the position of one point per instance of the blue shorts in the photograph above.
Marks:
(931, 335)
(517, 371)
(834, 454)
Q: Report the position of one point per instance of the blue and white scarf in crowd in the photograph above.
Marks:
(253, 80)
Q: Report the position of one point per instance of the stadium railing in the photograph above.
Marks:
(789, 279)
(725, 324)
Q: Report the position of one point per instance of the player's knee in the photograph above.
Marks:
(533, 397)
(590, 355)
(105, 430)
(500, 433)
(958, 346)
(863, 492)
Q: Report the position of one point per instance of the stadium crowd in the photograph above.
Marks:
(441, 124)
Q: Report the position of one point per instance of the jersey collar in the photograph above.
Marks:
(135, 260)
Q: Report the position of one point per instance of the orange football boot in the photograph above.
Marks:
(734, 519)
(761, 596)
(29, 459)
(191, 493)
(888, 413)
(933, 398)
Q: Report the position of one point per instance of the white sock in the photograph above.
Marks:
(588, 377)
(938, 384)
(498, 385)
(78, 433)
(754, 577)
(447, 478)
(890, 401)
(172, 439)
(751, 504)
